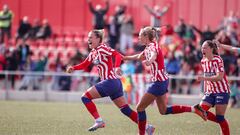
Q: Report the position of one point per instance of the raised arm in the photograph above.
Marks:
(164, 10)
(107, 7)
(151, 11)
(91, 6)
(197, 30)
(139, 56)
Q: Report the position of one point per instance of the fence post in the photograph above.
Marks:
(6, 86)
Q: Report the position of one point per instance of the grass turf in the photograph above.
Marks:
(50, 118)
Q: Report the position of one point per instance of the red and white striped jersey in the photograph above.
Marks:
(211, 68)
(102, 58)
(158, 72)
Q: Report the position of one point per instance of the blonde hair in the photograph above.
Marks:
(99, 34)
(150, 32)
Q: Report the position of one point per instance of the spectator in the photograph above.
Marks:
(126, 33)
(64, 81)
(157, 14)
(173, 68)
(206, 34)
(35, 29)
(186, 70)
(6, 17)
(23, 53)
(99, 12)
(118, 19)
(112, 32)
(45, 31)
(12, 59)
(24, 28)
(180, 29)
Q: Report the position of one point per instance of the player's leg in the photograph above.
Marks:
(146, 100)
(125, 109)
(176, 109)
(87, 98)
(121, 103)
(221, 106)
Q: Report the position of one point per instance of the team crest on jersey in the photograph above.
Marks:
(95, 58)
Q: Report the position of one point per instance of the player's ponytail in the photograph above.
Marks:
(99, 34)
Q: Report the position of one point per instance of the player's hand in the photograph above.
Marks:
(200, 78)
(118, 71)
(69, 69)
(146, 62)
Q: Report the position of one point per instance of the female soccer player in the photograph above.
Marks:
(101, 55)
(216, 88)
(152, 56)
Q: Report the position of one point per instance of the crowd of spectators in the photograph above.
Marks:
(181, 46)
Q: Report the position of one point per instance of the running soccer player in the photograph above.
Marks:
(152, 56)
(101, 55)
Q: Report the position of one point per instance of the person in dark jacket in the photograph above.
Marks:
(98, 12)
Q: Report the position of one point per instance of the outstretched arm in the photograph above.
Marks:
(229, 48)
(80, 66)
(139, 56)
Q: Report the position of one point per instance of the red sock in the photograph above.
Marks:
(142, 120)
(91, 107)
(180, 109)
(225, 127)
(134, 116)
(205, 107)
(126, 110)
(142, 127)
(211, 116)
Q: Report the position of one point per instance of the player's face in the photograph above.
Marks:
(93, 41)
(206, 50)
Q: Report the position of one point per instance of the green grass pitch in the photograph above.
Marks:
(50, 118)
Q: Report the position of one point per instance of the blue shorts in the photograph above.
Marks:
(158, 88)
(111, 87)
(216, 98)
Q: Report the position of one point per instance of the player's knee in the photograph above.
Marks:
(139, 108)
(220, 118)
(162, 111)
(126, 110)
(85, 98)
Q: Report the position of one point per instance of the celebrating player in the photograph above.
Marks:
(101, 55)
(152, 56)
(216, 88)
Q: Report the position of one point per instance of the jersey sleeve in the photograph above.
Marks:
(85, 63)
(118, 58)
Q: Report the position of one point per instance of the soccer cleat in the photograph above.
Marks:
(150, 129)
(98, 124)
(200, 112)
